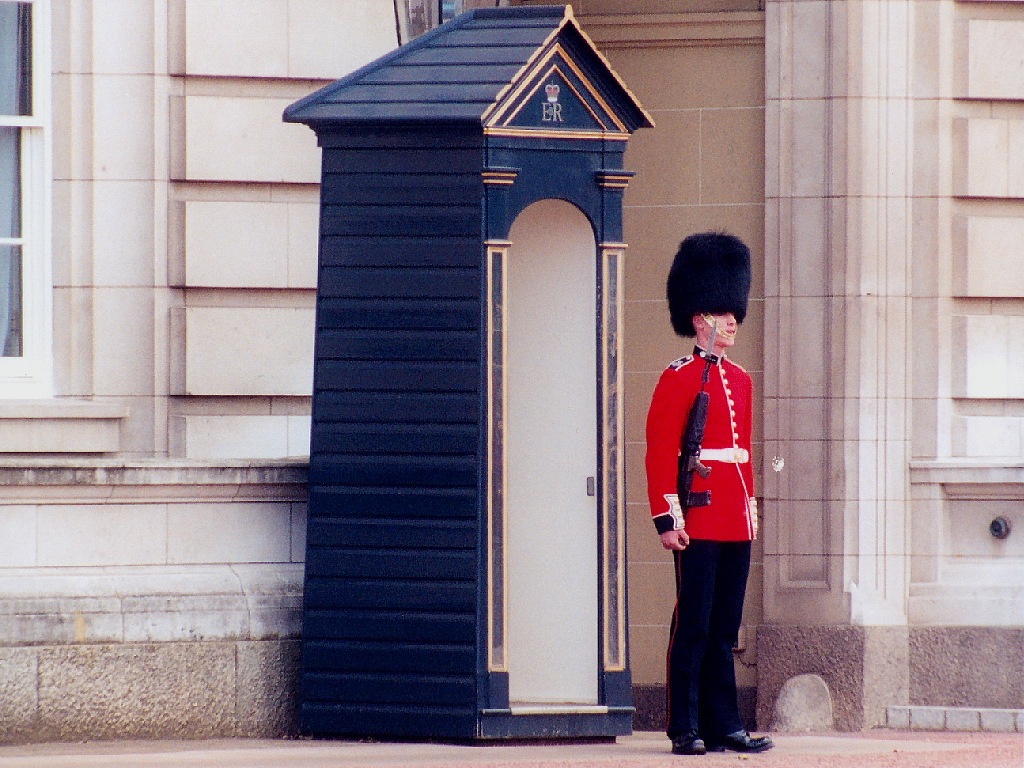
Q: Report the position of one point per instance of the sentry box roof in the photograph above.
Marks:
(486, 66)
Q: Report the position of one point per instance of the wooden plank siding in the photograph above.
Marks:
(392, 564)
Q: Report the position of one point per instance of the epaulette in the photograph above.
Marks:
(675, 365)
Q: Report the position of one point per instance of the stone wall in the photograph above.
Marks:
(869, 669)
(865, 669)
(967, 666)
(149, 599)
(183, 690)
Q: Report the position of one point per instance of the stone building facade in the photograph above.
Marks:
(156, 374)
(892, 292)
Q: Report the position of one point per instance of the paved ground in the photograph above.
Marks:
(874, 749)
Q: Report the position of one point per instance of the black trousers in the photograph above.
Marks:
(711, 579)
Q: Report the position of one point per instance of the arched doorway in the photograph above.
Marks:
(551, 455)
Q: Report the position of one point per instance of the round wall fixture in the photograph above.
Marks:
(1000, 527)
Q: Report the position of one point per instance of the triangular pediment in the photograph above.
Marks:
(554, 95)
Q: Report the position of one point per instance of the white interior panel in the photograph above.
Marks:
(551, 450)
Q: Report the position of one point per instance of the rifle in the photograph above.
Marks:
(690, 440)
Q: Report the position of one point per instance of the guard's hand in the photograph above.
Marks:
(677, 540)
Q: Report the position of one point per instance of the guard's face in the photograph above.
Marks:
(726, 330)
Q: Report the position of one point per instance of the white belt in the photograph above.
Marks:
(728, 455)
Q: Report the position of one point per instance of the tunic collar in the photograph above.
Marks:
(705, 355)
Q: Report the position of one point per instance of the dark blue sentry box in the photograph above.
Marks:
(465, 564)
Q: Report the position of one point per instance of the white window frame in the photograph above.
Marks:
(31, 375)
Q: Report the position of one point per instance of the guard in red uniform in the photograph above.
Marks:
(708, 288)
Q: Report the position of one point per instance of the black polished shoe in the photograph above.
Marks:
(740, 741)
(688, 744)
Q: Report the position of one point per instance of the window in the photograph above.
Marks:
(25, 345)
(418, 16)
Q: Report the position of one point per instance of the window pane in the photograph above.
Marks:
(418, 16)
(15, 59)
(10, 301)
(10, 181)
(450, 9)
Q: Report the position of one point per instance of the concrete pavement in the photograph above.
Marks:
(888, 749)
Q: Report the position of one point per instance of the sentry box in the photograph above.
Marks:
(465, 566)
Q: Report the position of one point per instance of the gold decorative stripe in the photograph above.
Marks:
(566, 18)
(497, 584)
(613, 179)
(525, 100)
(608, 64)
(502, 105)
(500, 178)
(542, 133)
(515, 98)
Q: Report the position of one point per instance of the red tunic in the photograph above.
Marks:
(732, 514)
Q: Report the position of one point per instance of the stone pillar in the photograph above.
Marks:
(839, 196)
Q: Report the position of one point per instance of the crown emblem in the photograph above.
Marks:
(552, 90)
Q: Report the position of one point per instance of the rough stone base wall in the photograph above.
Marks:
(967, 667)
(869, 669)
(866, 669)
(149, 690)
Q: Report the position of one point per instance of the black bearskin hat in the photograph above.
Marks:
(710, 273)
